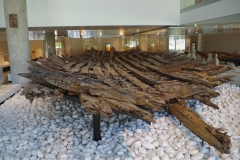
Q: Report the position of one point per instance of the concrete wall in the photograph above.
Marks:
(77, 46)
(48, 13)
(80, 44)
(193, 39)
(214, 10)
(2, 18)
(221, 42)
(36, 44)
(4, 47)
(228, 42)
(3, 42)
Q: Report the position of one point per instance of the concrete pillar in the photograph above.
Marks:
(50, 43)
(167, 39)
(18, 40)
(199, 43)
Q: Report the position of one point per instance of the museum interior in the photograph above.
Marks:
(120, 80)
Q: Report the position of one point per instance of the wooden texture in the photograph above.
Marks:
(133, 80)
(192, 120)
(222, 56)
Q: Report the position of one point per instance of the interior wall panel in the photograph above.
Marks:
(48, 13)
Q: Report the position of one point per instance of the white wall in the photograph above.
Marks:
(214, 10)
(47, 13)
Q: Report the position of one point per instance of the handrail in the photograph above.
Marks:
(186, 5)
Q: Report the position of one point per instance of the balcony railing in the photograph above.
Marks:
(186, 5)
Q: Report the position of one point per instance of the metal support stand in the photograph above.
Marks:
(96, 127)
(202, 142)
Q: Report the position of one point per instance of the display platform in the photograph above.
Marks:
(8, 90)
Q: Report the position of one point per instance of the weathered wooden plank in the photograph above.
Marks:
(98, 72)
(130, 108)
(160, 59)
(223, 69)
(68, 66)
(95, 104)
(110, 69)
(134, 58)
(134, 64)
(112, 94)
(154, 62)
(179, 77)
(205, 101)
(136, 72)
(132, 79)
(77, 67)
(85, 69)
(192, 120)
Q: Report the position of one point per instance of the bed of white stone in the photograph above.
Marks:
(60, 129)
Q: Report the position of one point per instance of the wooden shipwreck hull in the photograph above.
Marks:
(124, 81)
(222, 56)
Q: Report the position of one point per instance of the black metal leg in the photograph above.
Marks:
(202, 142)
(96, 127)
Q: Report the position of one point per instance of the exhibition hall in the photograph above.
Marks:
(119, 80)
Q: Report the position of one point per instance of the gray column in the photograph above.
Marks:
(50, 40)
(199, 43)
(18, 41)
(167, 39)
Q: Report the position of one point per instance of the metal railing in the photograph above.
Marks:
(192, 4)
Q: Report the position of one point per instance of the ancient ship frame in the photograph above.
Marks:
(124, 81)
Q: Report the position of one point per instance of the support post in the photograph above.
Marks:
(18, 38)
(50, 40)
(96, 127)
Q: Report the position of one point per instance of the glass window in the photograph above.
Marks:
(36, 35)
(58, 44)
(73, 33)
(172, 43)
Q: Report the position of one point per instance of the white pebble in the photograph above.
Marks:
(148, 145)
(155, 158)
(197, 156)
(165, 157)
(40, 154)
